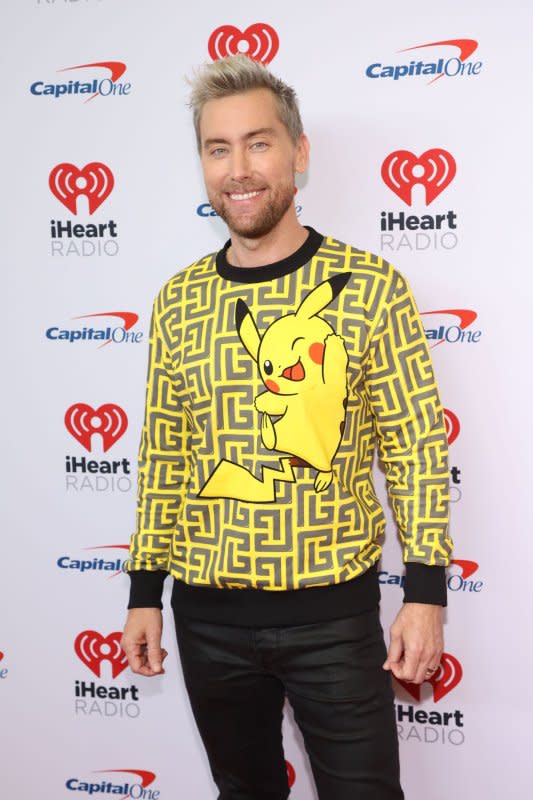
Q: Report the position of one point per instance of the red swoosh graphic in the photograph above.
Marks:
(107, 547)
(117, 68)
(468, 567)
(466, 48)
(128, 317)
(146, 777)
(466, 316)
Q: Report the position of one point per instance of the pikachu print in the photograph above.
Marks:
(303, 364)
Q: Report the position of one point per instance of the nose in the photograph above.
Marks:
(239, 167)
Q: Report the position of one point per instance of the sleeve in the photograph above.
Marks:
(412, 442)
(163, 472)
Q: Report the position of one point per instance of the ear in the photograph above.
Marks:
(301, 161)
(246, 328)
(322, 295)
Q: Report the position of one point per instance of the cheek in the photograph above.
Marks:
(272, 386)
(316, 352)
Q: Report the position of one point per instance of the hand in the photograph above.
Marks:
(416, 642)
(141, 641)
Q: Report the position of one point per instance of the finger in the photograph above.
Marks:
(395, 653)
(407, 671)
(145, 668)
(135, 656)
(428, 667)
(154, 651)
(147, 671)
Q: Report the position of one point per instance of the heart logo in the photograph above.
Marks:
(291, 773)
(110, 421)
(1, 655)
(435, 169)
(453, 426)
(95, 181)
(260, 42)
(92, 648)
(443, 681)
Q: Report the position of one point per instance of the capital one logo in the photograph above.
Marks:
(109, 420)
(92, 648)
(109, 86)
(443, 681)
(434, 170)
(453, 426)
(260, 42)
(456, 332)
(95, 181)
(145, 777)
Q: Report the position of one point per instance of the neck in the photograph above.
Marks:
(283, 240)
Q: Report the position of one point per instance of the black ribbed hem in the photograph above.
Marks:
(425, 584)
(270, 271)
(264, 608)
(146, 588)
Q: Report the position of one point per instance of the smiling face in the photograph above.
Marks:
(249, 161)
(290, 356)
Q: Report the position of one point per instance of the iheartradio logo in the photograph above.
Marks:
(453, 426)
(92, 648)
(260, 42)
(435, 169)
(109, 420)
(94, 180)
(443, 681)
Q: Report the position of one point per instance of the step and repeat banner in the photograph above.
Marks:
(420, 131)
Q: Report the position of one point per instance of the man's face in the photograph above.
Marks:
(249, 161)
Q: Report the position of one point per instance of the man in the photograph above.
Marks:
(275, 366)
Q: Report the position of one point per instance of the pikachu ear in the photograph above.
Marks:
(322, 295)
(247, 329)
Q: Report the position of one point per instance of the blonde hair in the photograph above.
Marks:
(238, 74)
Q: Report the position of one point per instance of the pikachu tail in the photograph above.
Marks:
(237, 483)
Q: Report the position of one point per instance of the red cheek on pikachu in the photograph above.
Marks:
(316, 352)
(272, 386)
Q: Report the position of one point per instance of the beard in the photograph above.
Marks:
(260, 222)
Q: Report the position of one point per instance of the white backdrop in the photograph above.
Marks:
(73, 720)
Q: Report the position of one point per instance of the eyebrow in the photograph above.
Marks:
(249, 135)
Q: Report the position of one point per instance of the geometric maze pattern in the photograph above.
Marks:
(201, 388)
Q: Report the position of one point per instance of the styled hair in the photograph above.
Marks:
(235, 75)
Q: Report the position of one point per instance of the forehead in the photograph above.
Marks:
(234, 116)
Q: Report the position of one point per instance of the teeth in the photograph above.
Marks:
(246, 196)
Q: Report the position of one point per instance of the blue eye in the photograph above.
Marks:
(267, 366)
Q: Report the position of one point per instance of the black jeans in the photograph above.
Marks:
(237, 679)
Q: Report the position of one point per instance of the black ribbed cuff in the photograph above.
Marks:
(425, 584)
(146, 588)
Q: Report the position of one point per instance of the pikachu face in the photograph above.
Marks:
(290, 354)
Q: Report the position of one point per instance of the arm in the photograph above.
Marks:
(268, 403)
(412, 445)
(163, 471)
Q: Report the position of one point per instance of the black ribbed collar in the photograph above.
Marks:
(269, 271)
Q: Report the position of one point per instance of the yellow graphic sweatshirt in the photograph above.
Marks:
(268, 391)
